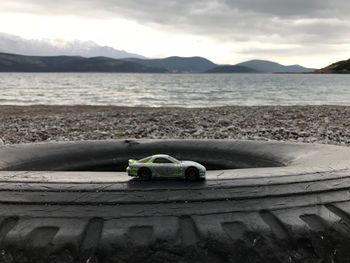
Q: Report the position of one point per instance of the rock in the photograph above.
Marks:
(323, 124)
(224, 122)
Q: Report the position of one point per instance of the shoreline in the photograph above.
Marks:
(311, 124)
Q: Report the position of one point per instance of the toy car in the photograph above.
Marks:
(165, 166)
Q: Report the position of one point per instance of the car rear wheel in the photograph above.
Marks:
(144, 174)
(192, 174)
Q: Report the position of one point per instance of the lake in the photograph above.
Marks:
(185, 90)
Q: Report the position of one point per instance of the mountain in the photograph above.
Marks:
(340, 67)
(264, 66)
(17, 45)
(178, 64)
(231, 69)
(19, 63)
(22, 63)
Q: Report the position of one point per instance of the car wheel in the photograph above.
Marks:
(192, 174)
(291, 205)
(144, 174)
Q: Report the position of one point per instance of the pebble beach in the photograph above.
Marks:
(310, 124)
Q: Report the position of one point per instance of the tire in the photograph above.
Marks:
(144, 174)
(192, 174)
(290, 204)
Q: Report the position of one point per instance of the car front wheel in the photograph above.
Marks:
(192, 174)
(144, 174)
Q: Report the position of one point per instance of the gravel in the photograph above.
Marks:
(322, 124)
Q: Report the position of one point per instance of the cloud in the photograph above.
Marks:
(170, 10)
(231, 19)
(296, 23)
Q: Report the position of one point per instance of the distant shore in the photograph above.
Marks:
(312, 124)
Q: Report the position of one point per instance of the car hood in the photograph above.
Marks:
(192, 163)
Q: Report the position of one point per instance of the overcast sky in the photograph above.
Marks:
(313, 33)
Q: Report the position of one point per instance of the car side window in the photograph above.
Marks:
(161, 160)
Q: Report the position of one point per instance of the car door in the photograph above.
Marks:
(165, 167)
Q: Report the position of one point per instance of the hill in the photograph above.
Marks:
(19, 63)
(231, 69)
(340, 67)
(47, 47)
(265, 66)
(178, 64)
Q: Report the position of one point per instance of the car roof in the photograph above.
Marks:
(160, 156)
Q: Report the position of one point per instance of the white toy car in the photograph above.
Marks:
(165, 166)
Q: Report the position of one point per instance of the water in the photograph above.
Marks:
(185, 90)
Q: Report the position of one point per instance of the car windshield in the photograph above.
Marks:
(173, 159)
(145, 160)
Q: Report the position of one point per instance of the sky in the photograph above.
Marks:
(313, 33)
